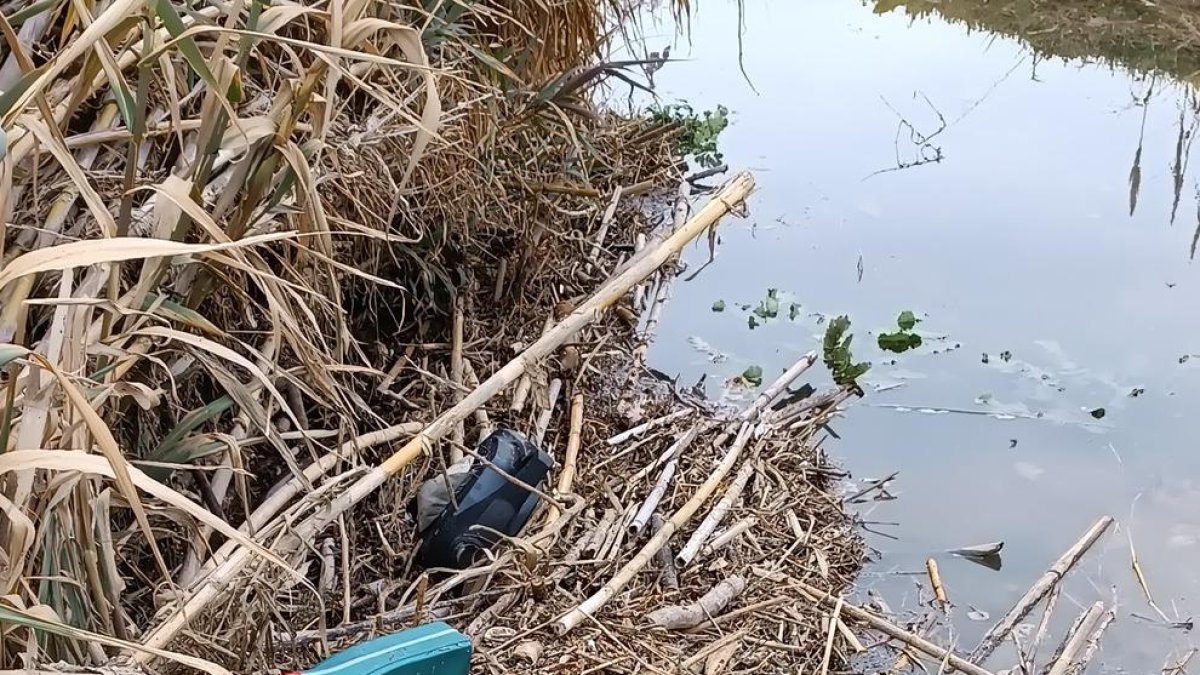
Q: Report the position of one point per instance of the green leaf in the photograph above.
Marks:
(718, 306)
(753, 375)
(753, 322)
(839, 360)
(793, 311)
(1098, 413)
(899, 342)
(907, 320)
(171, 20)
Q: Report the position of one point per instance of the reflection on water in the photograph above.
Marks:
(1037, 214)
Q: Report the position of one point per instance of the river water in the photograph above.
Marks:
(1018, 244)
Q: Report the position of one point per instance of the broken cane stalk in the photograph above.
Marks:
(892, 630)
(714, 517)
(999, 632)
(220, 581)
(593, 604)
(664, 481)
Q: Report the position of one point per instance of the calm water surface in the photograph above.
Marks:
(1020, 240)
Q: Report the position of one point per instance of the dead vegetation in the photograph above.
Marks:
(266, 268)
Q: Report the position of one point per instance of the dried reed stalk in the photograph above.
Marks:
(681, 517)
(714, 517)
(220, 581)
(997, 633)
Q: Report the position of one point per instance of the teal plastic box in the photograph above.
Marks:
(431, 649)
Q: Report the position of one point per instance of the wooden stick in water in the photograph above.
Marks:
(935, 580)
(892, 630)
(1077, 640)
(999, 632)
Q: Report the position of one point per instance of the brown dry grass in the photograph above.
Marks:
(224, 228)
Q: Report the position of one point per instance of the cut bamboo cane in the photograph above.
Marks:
(714, 517)
(997, 633)
(605, 222)
(681, 617)
(1078, 639)
(681, 517)
(725, 538)
(219, 582)
(566, 474)
(1093, 643)
(664, 481)
(892, 630)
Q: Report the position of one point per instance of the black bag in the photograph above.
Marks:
(485, 498)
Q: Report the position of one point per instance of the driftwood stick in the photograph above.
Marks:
(935, 580)
(714, 517)
(664, 481)
(1093, 643)
(680, 617)
(1043, 627)
(221, 580)
(681, 517)
(648, 425)
(999, 632)
(892, 630)
(669, 577)
(1077, 639)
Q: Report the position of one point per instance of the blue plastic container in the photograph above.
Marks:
(431, 649)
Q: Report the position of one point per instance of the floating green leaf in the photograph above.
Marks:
(793, 311)
(718, 306)
(752, 321)
(907, 320)
(899, 342)
(1098, 413)
(753, 375)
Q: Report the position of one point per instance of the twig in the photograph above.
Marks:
(1043, 628)
(664, 480)
(1077, 639)
(999, 632)
(935, 580)
(458, 435)
(566, 474)
(681, 517)
(714, 517)
(605, 222)
(1093, 643)
(892, 630)
(833, 622)
(543, 421)
(648, 425)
